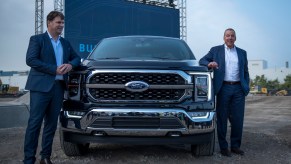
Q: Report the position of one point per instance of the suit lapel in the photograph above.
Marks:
(48, 42)
(240, 58)
(222, 57)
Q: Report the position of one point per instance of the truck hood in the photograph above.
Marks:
(185, 65)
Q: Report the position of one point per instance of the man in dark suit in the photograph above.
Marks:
(50, 57)
(231, 85)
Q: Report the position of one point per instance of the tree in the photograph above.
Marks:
(260, 81)
(287, 82)
(273, 84)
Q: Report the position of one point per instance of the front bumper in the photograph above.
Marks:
(196, 139)
(138, 122)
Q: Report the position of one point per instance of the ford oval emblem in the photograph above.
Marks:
(136, 86)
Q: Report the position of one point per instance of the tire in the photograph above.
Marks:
(72, 149)
(204, 149)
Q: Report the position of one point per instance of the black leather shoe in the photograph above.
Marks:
(237, 151)
(45, 161)
(225, 152)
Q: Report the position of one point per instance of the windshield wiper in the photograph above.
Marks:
(108, 58)
(164, 58)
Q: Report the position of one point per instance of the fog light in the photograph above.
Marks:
(76, 113)
(197, 115)
(174, 134)
(98, 133)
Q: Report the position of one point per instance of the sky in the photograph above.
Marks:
(262, 28)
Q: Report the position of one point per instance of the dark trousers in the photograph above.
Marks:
(44, 107)
(230, 105)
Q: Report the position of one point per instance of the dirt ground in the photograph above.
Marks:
(266, 139)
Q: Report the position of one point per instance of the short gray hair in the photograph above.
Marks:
(229, 29)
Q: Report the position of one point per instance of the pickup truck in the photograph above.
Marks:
(139, 90)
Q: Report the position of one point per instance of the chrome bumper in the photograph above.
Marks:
(184, 123)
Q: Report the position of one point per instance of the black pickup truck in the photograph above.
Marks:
(139, 90)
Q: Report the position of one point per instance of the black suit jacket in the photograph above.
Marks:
(40, 57)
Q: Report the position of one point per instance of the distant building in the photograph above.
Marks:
(259, 67)
(257, 64)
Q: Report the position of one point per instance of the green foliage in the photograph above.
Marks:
(287, 82)
(260, 80)
(271, 84)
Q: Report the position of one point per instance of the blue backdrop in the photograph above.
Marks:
(88, 21)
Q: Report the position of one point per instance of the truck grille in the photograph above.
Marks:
(123, 94)
(137, 123)
(150, 78)
(110, 86)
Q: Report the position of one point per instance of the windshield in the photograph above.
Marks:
(142, 48)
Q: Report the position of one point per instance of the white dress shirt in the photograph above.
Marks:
(231, 64)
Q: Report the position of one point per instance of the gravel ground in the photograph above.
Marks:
(266, 139)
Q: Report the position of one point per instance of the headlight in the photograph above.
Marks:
(74, 80)
(73, 91)
(73, 85)
(202, 86)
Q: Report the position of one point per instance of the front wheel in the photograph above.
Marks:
(73, 149)
(204, 149)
